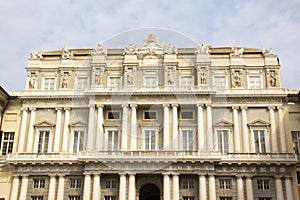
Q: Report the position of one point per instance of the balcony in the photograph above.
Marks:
(42, 158)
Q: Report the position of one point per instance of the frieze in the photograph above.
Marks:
(48, 169)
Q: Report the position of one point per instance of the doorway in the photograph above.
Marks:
(149, 192)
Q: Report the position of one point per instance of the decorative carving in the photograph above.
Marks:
(203, 78)
(98, 75)
(32, 80)
(170, 76)
(273, 79)
(202, 49)
(268, 52)
(36, 55)
(100, 50)
(237, 52)
(65, 80)
(170, 49)
(130, 76)
(236, 79)
(130, 50)
(66, 54)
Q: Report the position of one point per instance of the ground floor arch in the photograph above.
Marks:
(149, 191)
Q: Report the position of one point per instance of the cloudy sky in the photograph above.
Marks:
(29, 25)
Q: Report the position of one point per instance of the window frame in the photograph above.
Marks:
(39, 183)
(49, 84)
(229, 140)
(43, 149)
(7, 143)
(263, 184)
(250, 76)
(81, 85)
(113, 147)
(111, 183)
(266, 137)
(182, 144)
(107, 115)
(296, 142)
(186, 110)
(183, 84)
(114, 84)
(75, 183)
(225, 183)
(145, 139)
(145, 111)
(219, 76)
(188, 184)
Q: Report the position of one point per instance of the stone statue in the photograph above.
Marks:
(66, 54)
(130, 76)
(130, 50)
(237, 52)
(203, 78)
(32, 81)
(202, 49)
(170, 49)
(272, 79)
(98, 76)
(36, 55)
(269, 52)
(99, 50)
(236, 79)
(65, 81)
(170, 77)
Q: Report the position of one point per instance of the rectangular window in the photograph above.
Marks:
(220, 82)
(225, 198)
(188, 184)
(149, 115)
(264, 198)
(187, 115)
(7, 143)
(188, 198)
(49, 83)
(114, 82)
(111, 183)
(38, 183)
(255, 82)
(296, 142)
(150, 139)
(113, 115)
(74, 197)
(112, 140)
(223, 141)
(260, 141)
(75, 183)
(188, 140)
(43, 141)
(110, 198)
(225, 184)
(82, 83)
(36, 197)
(150, 81)
(263, 184)
(298, 177)
(186, 81)
(78, 141)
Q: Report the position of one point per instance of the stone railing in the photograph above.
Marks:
(40, 158)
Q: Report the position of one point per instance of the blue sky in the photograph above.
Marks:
(29, 25)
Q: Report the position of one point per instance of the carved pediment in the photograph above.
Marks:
(223, 123)
(258, 122)
(44, 123)
(78, 124)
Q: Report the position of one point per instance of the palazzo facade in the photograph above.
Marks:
(152, 122)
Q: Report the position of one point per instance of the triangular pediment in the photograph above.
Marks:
(258, 122)
(44, 123)
(223, 123)
(78, 124)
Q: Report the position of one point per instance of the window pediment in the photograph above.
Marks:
(78, 124)
(44, 123)
(223, 123)
(258, 123)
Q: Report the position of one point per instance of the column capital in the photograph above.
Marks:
(24, 175)
(175, 105)
(96, 174)
(131, 174)
(208, 105)
(244, 107)
(87, 173)
(100, 106)
(166, 173)
(175, 174)
(133, 105)
(67, 108)
(124, 105)
(58, 108)
(61, 175)
(279, 107)
(271, 107)
(239, 176)
(278, 177)
(166, 105)
(24, 109)
(235, 107)
(248, 176)
(32, 108)
(211, 174)
(201, 174)
(91, 105)
(200, 104)
(52, 175)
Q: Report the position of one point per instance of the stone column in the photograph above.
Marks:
(236, 130)
(273, 130)
(249, 187)
(61, 187)
(124, 137)
(65, 139)
(90, 136)
(175, 186)
(201, 136)
(209, 133)
(57, 137)
(166, 186)
(51, 191)
(100, 136)
(240, 188)
(166, 132)
(15, 188)
(175, 127)
(279, 189)
(96, 187)
(87, 186)
(202, 187)
(133, 128)
(30, 131)
(288, 188)
(245, 130)
(131, 192)
(212, 187)
(24, 185)
(122, 188)
(281, 130)
(22, 130)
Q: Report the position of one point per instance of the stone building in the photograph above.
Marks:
(153, 122)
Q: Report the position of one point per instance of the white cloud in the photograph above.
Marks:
(50, 24)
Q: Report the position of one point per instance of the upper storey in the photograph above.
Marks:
(153, 66)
